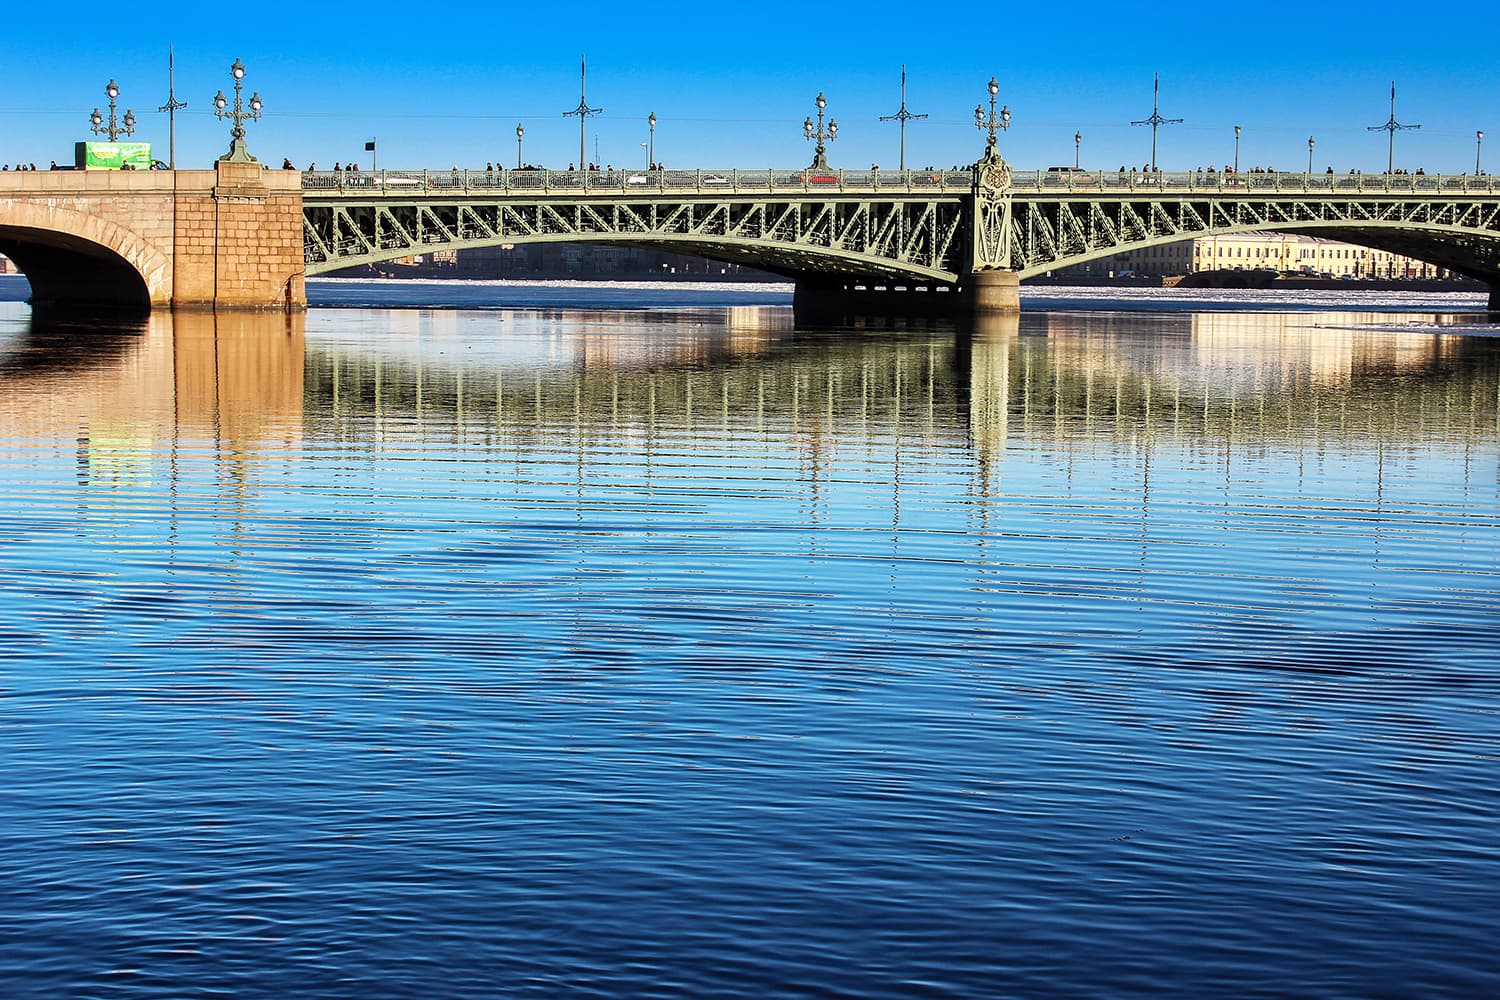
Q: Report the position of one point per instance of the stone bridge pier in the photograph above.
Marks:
(221, 239)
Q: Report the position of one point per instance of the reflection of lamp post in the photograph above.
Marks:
(992, 123)
(238, 153)
(651, 140)
(1478, 141)
(114, 129)
(1236, 149)
(1310, 145)
(1077, 149)
(820, 154)
(520, 134)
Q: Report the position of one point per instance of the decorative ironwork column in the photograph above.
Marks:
(820, 154)
(238, 152)
(991, 245)
(114, 129)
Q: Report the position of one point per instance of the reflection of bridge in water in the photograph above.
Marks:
(1073, 384)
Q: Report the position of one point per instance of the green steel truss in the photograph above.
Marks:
(911, 227)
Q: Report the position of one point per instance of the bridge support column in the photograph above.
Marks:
(1495, 299)
(994, 291)
(238, 239)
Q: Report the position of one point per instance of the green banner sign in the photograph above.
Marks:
(112, 155)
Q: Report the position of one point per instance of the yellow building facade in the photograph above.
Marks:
(1282, 252)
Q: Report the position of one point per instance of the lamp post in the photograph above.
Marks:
(1478, 142)
(520, 134)
(820, 154)
(114, 129)
(1077, 150)
(1236, 149)
(903, 116)
(1310, 144)
(646, 150)
(238, 152)
(583, 111)
(651, 140)
(993, 122)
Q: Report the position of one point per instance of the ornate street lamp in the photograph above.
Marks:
(1077, 149)
(238, 152)
(1478, 142)
(820, 154)
(114, 129)
(992, 122)
(1236, 149)
(520, 134)
(651, 141)
(1310, 144)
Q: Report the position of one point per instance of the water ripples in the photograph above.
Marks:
(691, 654)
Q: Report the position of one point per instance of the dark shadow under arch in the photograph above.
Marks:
(67, 273)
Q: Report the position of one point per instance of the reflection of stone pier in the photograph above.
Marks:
(234, 379)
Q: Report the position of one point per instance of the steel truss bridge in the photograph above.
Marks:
(910, 228)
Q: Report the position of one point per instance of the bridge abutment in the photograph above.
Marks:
(238, 239)
(224, 239)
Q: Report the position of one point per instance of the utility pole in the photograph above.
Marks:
(172, 106)
(1392, 127)
(1156, 119)
(583, 111)
(903, 116)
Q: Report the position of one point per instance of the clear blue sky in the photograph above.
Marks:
(446, 84)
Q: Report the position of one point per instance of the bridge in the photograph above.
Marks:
(951, 239)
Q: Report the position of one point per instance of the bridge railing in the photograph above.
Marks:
(1268, 181)
(398, 183)
(487, 183)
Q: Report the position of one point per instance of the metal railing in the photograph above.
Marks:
(396, 183)
(487, 183)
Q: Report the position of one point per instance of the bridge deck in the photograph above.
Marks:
(614, 183)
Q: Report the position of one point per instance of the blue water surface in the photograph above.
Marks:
(678, 650)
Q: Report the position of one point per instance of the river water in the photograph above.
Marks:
(476, 649)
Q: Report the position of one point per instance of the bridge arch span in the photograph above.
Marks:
(788, 260)
(77, 258)
(1463, 250)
